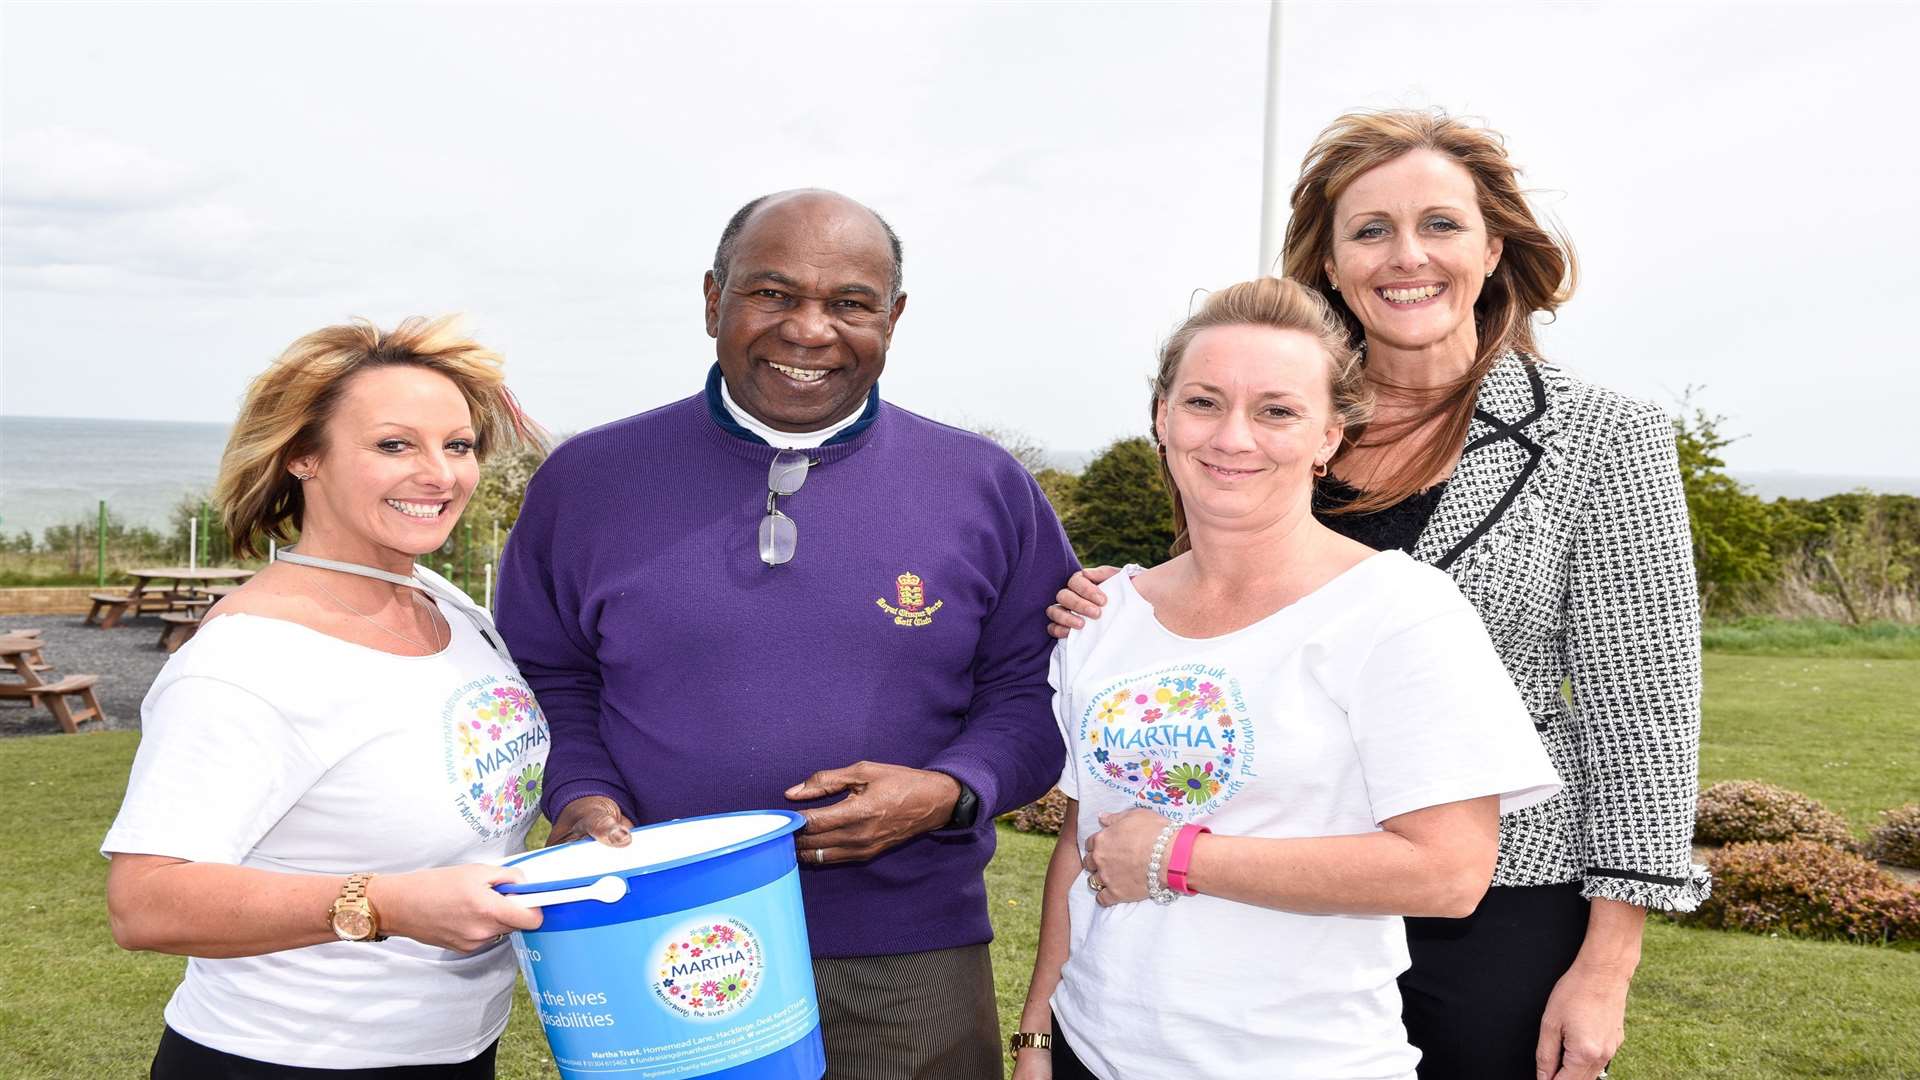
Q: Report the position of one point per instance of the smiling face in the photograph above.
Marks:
(1249, 414)
(397, 466)
(802, 322)
(1410, 251)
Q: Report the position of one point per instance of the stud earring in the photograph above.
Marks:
(303, 476)
(1489, 273)
(1332, 284)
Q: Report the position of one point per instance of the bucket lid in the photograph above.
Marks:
(654, 848)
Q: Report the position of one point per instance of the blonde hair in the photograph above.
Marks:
(1536, 273)
(1282, 305)
(287, 406)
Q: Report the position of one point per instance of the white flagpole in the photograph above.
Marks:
(1273, 207)
(193, 543)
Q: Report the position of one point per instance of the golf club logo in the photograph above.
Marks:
(912, 608)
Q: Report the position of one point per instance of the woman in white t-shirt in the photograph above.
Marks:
(1283, 738)
(326, 768)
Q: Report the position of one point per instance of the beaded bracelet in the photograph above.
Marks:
(1156, 891)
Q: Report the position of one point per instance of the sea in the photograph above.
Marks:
(55, 471)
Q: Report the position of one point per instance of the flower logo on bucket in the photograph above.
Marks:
(709, 969)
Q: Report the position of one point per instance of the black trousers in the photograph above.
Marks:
(180, 1058)
(1473, 999)
(1066, 1066)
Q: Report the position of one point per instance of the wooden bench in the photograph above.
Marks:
(176, 627)
(107, 608)
(34, 656)
(15, 651)
(53, 697)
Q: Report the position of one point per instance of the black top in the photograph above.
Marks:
(1392, 528)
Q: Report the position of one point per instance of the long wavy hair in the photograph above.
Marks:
(1536, 273)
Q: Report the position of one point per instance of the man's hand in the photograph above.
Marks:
(889, 805)
(592, 815)
(1081, 600)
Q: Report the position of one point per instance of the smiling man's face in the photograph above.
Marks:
(802, 321)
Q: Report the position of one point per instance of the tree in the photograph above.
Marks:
(1025, 448)
(1120, 513)
(1736, 537)
(1058, 487)
(503, 487)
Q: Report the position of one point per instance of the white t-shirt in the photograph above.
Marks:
(270, 745)
(1375, 695)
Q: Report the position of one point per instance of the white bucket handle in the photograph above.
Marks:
(607, 890)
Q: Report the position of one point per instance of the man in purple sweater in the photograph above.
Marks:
(785, 590)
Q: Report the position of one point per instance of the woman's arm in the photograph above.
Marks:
(1633, 650)
(212, 910)
(1037, 1015)
(1585, 1019)
(1434, 861)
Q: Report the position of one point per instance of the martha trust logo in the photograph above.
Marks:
(709, 969)
(1177, 739)
(495, 748)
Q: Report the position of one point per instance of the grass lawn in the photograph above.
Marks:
(1707, 1004)
(1845, 731)
(1812, 637)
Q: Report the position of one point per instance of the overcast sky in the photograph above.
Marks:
(189, 187)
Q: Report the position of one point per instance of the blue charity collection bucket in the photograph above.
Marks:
(682, 955)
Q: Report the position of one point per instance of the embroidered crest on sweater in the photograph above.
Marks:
(912, 608)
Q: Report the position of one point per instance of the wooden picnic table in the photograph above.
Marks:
(18, 653)
(145, 596)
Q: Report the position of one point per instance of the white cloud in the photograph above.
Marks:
(64, 168)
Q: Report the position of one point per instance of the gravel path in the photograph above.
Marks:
(127, 658)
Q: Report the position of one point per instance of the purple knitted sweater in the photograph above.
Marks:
(683, 676)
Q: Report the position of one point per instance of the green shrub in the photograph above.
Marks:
(1897, 838)
(1737, 811)
(1044, 815)
(1808, 889)
(1119, 510)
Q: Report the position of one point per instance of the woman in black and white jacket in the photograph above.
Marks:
(1556, 506)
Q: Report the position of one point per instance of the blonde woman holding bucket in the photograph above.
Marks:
(325, 767)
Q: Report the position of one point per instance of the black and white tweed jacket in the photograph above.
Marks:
(1566, 527)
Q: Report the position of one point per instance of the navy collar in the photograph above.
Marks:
(717, 410)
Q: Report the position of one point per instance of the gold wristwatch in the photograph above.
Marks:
(352, 914)
(1024, 1040)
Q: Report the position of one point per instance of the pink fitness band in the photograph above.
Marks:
(1181, 857)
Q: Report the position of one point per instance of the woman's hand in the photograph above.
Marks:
(1584, 1024)
(453, 907)
(1117, 855)
(1033, 1064)
(1081, 597)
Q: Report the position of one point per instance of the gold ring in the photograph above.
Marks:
(820, 856)
(1095, 883)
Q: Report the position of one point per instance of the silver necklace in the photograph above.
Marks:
(415, 642)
